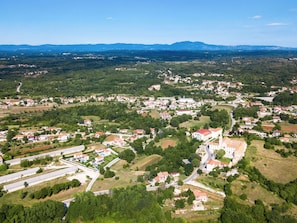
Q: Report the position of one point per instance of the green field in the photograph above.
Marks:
(197, 124)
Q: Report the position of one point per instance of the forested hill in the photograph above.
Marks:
(178, 46)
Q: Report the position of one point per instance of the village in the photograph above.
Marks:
(213, 139)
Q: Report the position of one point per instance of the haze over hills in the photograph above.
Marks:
(178, 46)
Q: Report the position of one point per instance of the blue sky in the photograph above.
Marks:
(226, 22)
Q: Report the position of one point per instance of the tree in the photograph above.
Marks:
(188, 169)
(220, 154)
(127, 155)
(179, 203)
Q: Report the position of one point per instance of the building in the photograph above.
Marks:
(211, 164)
(234, 148)
(200, 196)
(205, 134)
(202, 134)
(161, 177)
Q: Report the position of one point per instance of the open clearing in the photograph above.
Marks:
(254, 191)
(155, 114)
(288, 128)
(197, 124)
(271, 164)
(166, 142)
(127, 176)
(142, 163)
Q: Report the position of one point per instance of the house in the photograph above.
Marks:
(98, 134)
(139, 132)
(103, 152)
(161, 177)
(211, 164)
(87, 122)
(113, 140)
(99, 159)
(77, 156)
(276, 119)
(84, 158)
(216, 132)
(202, 134)
(200, 196)
(165, 115)
(156, 87)
(63, 137)
(184, 112)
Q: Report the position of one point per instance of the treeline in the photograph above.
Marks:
(285, 99)
(49, 191)
(257, 213)
(132, 204)
(175, 121)
(116, 112)
(42, 161)
(173, 159)
(240, 112)
(44, 212)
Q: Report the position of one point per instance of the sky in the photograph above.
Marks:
(225, 22)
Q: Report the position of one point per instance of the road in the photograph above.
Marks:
(39, 179)
(18, 175)
(197, 184)
(19, 87)
(52, 154)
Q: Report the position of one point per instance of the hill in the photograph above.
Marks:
(178, 46)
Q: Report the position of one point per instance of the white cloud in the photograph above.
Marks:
(256, 17)
(277, 24)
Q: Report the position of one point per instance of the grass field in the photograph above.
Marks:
(127, 176)
(271, 164)
(254, 191)
(197, 124)
(228, 108)
(143, 162)
(155, 114)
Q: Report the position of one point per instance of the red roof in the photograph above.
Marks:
(203, 132)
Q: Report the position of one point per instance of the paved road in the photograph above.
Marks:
(18, 175)
(39, 179)
(19, 87)
(94, 178)
(112, 163)
(60, 152)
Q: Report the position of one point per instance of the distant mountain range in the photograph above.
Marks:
(179, 46)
